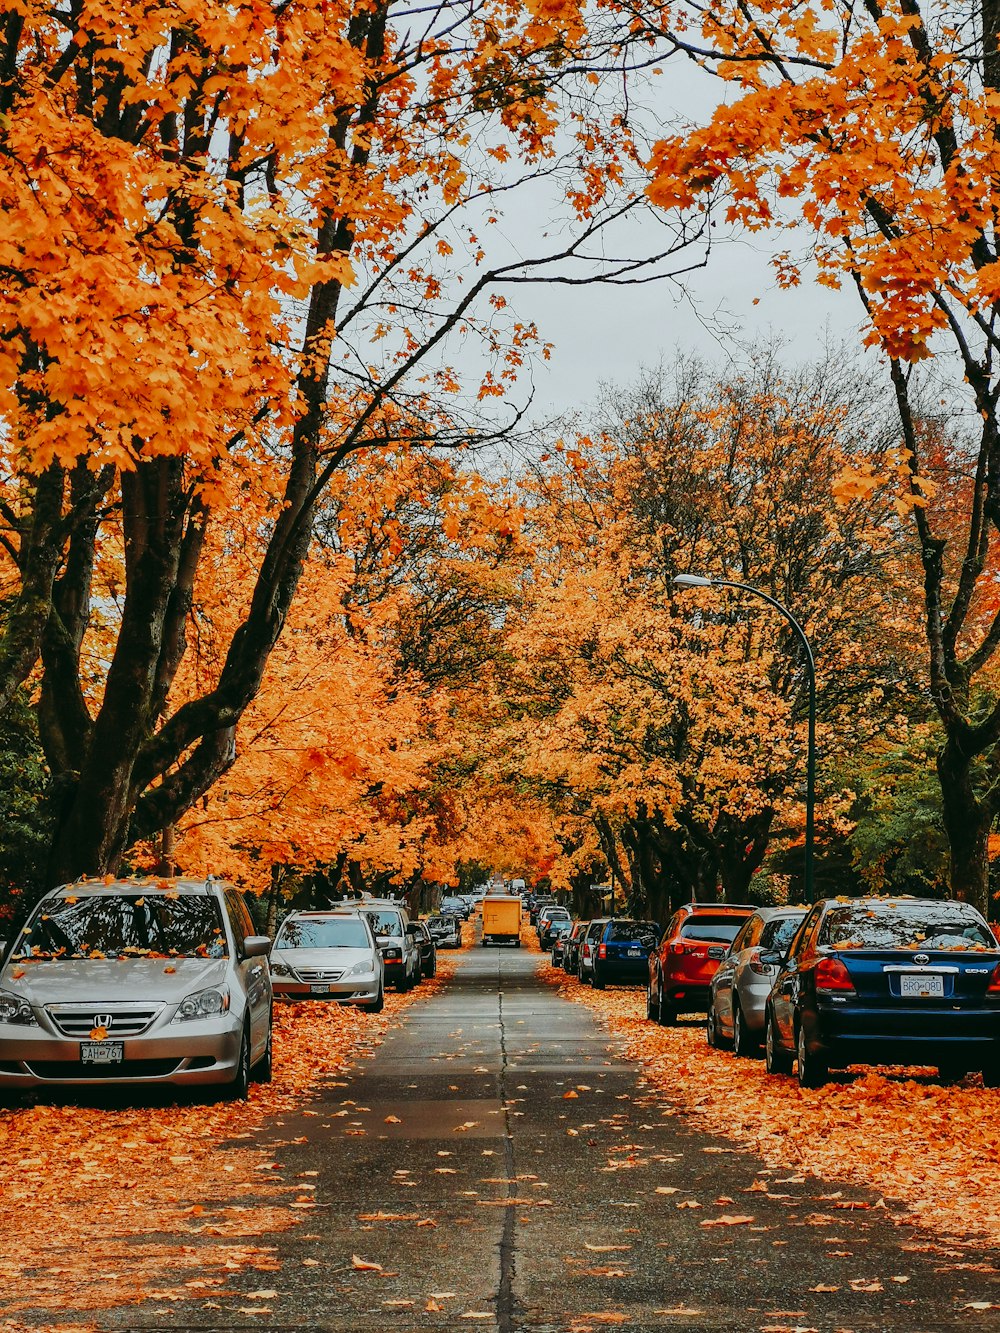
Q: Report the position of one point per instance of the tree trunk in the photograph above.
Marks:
(967, 822)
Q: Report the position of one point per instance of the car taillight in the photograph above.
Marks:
(602, 950)
(832, 975)
(392, 954)
(993, 988)
(755, 965)
(678, 948)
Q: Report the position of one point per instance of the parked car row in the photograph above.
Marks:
(167, 981)
(847, 981)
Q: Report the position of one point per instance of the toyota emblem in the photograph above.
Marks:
(921, 958)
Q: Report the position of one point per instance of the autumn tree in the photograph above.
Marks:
(676, 723)
(240, 244)
(874, 126)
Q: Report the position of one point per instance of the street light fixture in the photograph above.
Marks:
(700, 581)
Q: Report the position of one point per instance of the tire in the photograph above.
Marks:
(651, 1005)
(776, 1060)
(666, 1014)
(811, 1070)
(745, 1044)
(991, 1076)
(263, 1070)
(377, 1005)
(598, 983)
(484, 944)
(712, 1029)
(517, 944)
(238, 1088)
(952, 1073)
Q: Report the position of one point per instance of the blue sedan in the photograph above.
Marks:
(886, 981)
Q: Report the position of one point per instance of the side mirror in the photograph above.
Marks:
(771, 958)
(257, 946)
(411, 928)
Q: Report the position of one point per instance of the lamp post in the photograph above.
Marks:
(700, 581)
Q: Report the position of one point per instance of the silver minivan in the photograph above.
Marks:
(332, 955)
(136, 981)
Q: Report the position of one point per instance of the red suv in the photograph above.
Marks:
(681, 968)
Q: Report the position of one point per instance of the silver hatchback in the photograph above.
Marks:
(160, 981)
(742, 983)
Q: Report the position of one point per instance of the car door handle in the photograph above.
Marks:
(786, 988)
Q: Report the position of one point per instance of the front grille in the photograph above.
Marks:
(79, 1020)
(68, 1070)
(319, 974)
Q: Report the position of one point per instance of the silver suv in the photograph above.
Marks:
(159, 981)
(396, 939)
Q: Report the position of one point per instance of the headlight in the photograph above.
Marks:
(202, 1004)
(359, 969)
(14, 1009)
(280, 969)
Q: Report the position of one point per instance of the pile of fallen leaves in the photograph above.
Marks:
(934, 1147)
(125, 1191)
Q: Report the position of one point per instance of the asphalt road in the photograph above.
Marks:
(528, 1180)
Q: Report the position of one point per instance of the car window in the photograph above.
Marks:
(619, 931)
(745, 939)
(594, 929)
(345, 932)
(125, 925)
(779, 932)
(240, 918)
(907, 926)
(673, 925)
(712, 930)
(805, 937)
(385, 923)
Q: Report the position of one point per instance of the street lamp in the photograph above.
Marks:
(700, 581)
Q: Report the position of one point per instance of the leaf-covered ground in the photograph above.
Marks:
(111, 1200)
(934, 1147)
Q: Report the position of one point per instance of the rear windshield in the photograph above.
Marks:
(346, 932)
(560, 927)
(125, 925)
(778, 934)
(385, 923)
(618, 931)
(441, 922)
(712, 929)
(905, 926)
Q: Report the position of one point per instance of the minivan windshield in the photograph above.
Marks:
(124, 925)
(345, 932)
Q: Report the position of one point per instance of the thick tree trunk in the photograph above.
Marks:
(967, 822)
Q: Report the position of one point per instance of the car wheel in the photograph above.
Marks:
(238, 1088)
(264, 1068)
(666, 1014)
(712, 1028)
(776, 1060)
(744, 1043)
(812, 1072)
(991, 1076)
(596, 982)
(517, 944)
(650, 1003)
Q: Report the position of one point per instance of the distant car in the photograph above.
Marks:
(546, 917)
(395, 937)
(446, 930)
(535, 905)
(557, 936)
(158, 981)
(681, 968)
(571, 946)
(739, 990)
(456, 907)
(886, 980)
(428, 949)
(329, 955)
